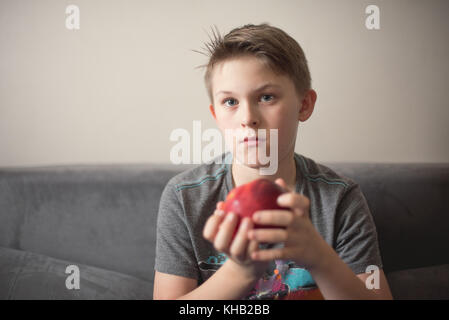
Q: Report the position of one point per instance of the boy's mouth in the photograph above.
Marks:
(246, 139)
(251, 140)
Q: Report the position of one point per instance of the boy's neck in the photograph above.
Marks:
(242, 174)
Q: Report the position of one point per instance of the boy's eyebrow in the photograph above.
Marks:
(267, 85)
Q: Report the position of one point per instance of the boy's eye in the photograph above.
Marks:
(263, 98)
(225, 102)
(267, 95)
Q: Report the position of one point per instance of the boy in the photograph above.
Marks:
(257, 78)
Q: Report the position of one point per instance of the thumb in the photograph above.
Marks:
(282, 184)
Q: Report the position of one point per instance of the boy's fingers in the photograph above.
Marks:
(212, 224)
(280, 218)
(252, 247)
(239, 245)
(269, 235)
(220, 205)
(299, 203)
(225, 232)
(268, 255)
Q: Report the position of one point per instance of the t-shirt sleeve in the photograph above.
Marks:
(356, 235)
(174, 250)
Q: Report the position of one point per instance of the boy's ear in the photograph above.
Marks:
(307, 105)
(212, 110)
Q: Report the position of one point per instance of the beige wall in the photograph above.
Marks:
(113, 91)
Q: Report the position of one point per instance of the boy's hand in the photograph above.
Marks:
(302, 242)
(219, 230)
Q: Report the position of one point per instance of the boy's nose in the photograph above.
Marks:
(250, 123)
(249, 116)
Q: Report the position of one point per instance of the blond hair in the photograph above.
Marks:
(271, 45)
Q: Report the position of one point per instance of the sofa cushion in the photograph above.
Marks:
(410, 209)
(421, 283)
(27, 275)
(102, 216)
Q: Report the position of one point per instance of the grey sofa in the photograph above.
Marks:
(102, 219)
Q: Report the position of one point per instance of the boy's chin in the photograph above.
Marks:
(249, 161)
(250, 165)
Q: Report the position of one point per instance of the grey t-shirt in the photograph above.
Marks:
(338, 210)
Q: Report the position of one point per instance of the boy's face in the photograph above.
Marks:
(243, 106)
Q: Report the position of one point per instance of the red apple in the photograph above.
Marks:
(245, 200)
